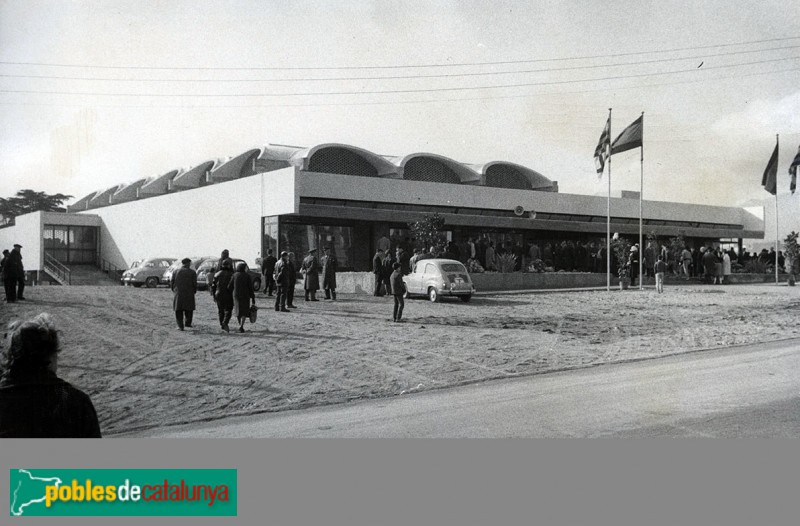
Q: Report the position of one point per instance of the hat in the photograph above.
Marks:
(227, 264)
(17, 245)
(634, 249)
(186, 261)
(284, 253)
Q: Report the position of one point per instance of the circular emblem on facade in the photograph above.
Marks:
(519, 210)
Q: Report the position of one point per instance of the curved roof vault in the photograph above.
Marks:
(103, 197)
(435, 168)
(194, 177)
(158, 184)
(242, 165)
(275, 157)
(129, 192)
(502, 174)
(82, 203)
(343, 159)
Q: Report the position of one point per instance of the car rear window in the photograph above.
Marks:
(453, 267)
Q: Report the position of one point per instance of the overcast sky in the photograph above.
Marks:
(198, 80)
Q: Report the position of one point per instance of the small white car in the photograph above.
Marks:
(436, 278)
(147, 273)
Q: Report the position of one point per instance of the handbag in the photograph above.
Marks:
(253, 313)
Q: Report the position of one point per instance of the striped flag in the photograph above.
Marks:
(770, 178)
(793, 171)
(601, 152)
(630, 138)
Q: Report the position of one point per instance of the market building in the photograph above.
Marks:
(294, 198)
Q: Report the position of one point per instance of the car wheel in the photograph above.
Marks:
(151, 282)
(433, 295)
(466, 299)
(257, 285)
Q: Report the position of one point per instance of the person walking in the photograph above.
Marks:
(310, 271)
(377, 271)
(223, 295)
(268, 269)
(329, 267)
(34, 401)
(686, 263)
(241, 287)
(660, 269)
(726, 267)
(398, 290)
(633, 263)
(709, 265)
(281, 274)
(184, 287)
(291, 267)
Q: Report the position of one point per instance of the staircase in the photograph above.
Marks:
(91, 275)
(79, 274)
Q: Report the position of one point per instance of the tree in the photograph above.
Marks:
(428, 230)
(27, 201)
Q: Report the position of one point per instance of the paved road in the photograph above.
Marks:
(751, 391)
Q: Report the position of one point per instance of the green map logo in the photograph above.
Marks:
(122, 492)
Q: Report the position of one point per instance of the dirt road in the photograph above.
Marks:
(122, 347)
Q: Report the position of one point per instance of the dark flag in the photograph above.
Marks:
(601, 152)
(630, 138)
(793, 171)
(770, 178)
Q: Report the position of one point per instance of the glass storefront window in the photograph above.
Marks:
(300, 239)
(71, 244)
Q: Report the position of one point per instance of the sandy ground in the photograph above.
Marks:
(122, 347)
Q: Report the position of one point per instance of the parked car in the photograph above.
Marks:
(436, 278)
(166, 278)
(212, 265)
(148, 272)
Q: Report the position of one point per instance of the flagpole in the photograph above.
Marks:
(608, 211)
(777, 236)
(641, 196)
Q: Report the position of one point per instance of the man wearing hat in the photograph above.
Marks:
(281, 275)
(310, 271)
(329, 267)
(14, 275)
(184, 287)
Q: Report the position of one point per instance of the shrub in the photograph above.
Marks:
(506, 263)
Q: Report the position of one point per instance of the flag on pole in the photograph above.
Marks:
(793, 170)
(770, 178)
(630, 138)
(601, 152)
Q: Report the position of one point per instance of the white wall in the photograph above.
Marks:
(423, 193)
(27, 231)
(197, 222)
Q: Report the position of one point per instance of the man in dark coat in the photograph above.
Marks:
(377, 271)
(184, 287)
(398, 289)
(2, 271)
(268, 269)
(241, 287)
(291, 267)
(404, 258)
(329, 267)
(310, 271)
(14, 275)
(709, 265)
(281, 274)
(34, 402)
(222, 294)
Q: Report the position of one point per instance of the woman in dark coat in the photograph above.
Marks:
(184, 287)
(222, 294)
(329, 267)
(241, 287)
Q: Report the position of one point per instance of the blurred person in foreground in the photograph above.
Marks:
(34, 402)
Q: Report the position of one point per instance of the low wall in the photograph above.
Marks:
(364, 282)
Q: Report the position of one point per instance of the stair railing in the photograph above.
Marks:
(111, 269)
(57, 269)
